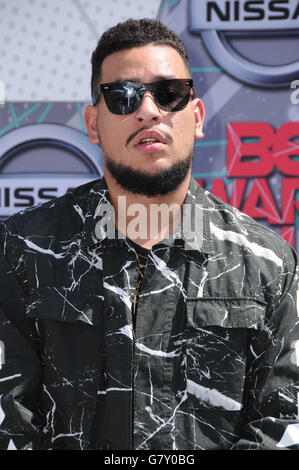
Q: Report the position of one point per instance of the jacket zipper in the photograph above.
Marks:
(135, 300)
(134, 311)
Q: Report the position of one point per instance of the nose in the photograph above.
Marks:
(148, 110)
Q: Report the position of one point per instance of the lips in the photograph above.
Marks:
(149, 137)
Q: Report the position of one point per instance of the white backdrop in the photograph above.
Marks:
(45, 46)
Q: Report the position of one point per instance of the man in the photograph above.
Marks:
(122, 338)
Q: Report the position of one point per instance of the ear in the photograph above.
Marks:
(199, 112)
(90, 119)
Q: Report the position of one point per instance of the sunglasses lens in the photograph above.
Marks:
(122, 98)
(172, 95)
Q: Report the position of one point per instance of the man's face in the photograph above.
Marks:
(120, 135)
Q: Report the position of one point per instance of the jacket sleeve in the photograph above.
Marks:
(20, 367)
(271, 410)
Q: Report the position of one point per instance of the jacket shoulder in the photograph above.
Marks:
(230, 224)
(57, 216)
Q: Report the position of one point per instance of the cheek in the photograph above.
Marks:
(109, 131)
(104, 126)
(113, 137)
(184, 129)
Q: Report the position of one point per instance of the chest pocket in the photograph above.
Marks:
(70, 328)
(217, 343)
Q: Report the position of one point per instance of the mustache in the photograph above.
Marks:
(164, 134)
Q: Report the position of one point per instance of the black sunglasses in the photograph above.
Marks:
(126, 97)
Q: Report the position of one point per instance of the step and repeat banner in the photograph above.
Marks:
(45, 71)
(244, 57)
(245, 62)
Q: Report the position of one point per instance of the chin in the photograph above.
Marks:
(154, 164)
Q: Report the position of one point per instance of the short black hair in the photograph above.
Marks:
(134, 33)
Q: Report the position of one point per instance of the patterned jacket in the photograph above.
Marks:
(213, 361)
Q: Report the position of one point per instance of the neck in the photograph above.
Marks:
(143, 219)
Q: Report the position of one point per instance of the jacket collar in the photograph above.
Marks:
(193, 233)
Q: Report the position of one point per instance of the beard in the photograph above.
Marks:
(138, 182)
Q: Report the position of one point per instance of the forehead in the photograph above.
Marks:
(143, 64)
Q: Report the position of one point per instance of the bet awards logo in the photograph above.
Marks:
(223, 25)
(39, 162)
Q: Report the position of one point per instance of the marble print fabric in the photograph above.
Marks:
(213, 362)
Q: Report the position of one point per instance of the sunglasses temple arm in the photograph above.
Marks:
(95, 96)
